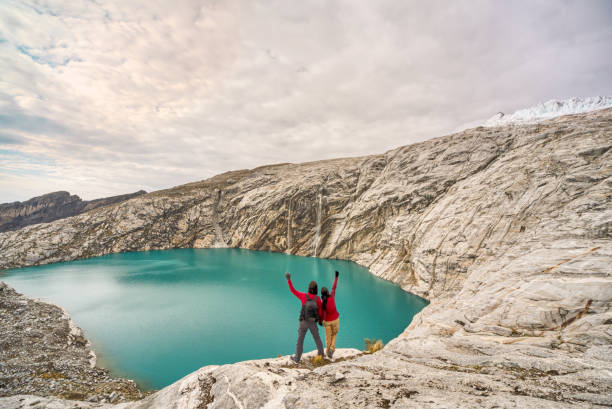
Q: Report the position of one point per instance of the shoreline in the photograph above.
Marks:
(420, 295)
(142, 385)
(46, 353)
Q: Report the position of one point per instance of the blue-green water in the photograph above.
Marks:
(156, 316)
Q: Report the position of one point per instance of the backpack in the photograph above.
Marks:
(310, 309)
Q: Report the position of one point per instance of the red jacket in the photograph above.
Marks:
(331, 313)
(302, 297)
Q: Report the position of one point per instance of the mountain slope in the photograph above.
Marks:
(506, 230)
(542, 111)
(550, 109)
(51, 206)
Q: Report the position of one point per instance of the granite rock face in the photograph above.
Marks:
(507, 231)
(419, 375)
(49, 207)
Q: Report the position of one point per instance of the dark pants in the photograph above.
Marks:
(304, 326)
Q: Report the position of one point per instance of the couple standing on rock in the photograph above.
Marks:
(316, 311)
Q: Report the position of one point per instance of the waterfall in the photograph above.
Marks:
(219, 235)
(288, 250)
(315, 243)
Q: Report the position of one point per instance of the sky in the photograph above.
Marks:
(105, 97)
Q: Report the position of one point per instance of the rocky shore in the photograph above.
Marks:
(43, 353)
(507, 231)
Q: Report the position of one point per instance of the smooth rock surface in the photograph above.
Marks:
(508, 231)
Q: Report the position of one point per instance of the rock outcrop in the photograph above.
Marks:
(49, 207)
(42, 352)
(507, 231)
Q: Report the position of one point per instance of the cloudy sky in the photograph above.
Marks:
(104, 97)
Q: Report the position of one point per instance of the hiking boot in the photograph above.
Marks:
(330, 353)
(294, 359)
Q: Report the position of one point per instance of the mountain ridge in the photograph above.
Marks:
(541, 112)
(51, 206)
(506, 230)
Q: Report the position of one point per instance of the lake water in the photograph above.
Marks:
(156, 316)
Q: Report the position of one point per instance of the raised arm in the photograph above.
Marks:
(333, 293)
(293, 290)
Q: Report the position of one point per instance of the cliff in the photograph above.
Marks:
(49, 207)
(507, 231)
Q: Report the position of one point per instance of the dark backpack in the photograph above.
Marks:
(310, 309)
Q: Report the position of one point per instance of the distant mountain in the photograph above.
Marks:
(541, 112)
(52, 206)
(550, 109)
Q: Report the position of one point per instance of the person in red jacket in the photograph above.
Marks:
(330, 317)
(311, 313)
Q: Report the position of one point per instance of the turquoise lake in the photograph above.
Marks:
(156, 316)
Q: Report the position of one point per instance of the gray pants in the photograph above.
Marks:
(304, 326)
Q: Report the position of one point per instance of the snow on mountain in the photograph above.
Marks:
(550, 109)
(542, 111)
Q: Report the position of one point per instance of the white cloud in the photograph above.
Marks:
(123, 95)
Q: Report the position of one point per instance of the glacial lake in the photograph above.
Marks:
(157, 316)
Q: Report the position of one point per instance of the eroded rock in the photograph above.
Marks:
(505, 230)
